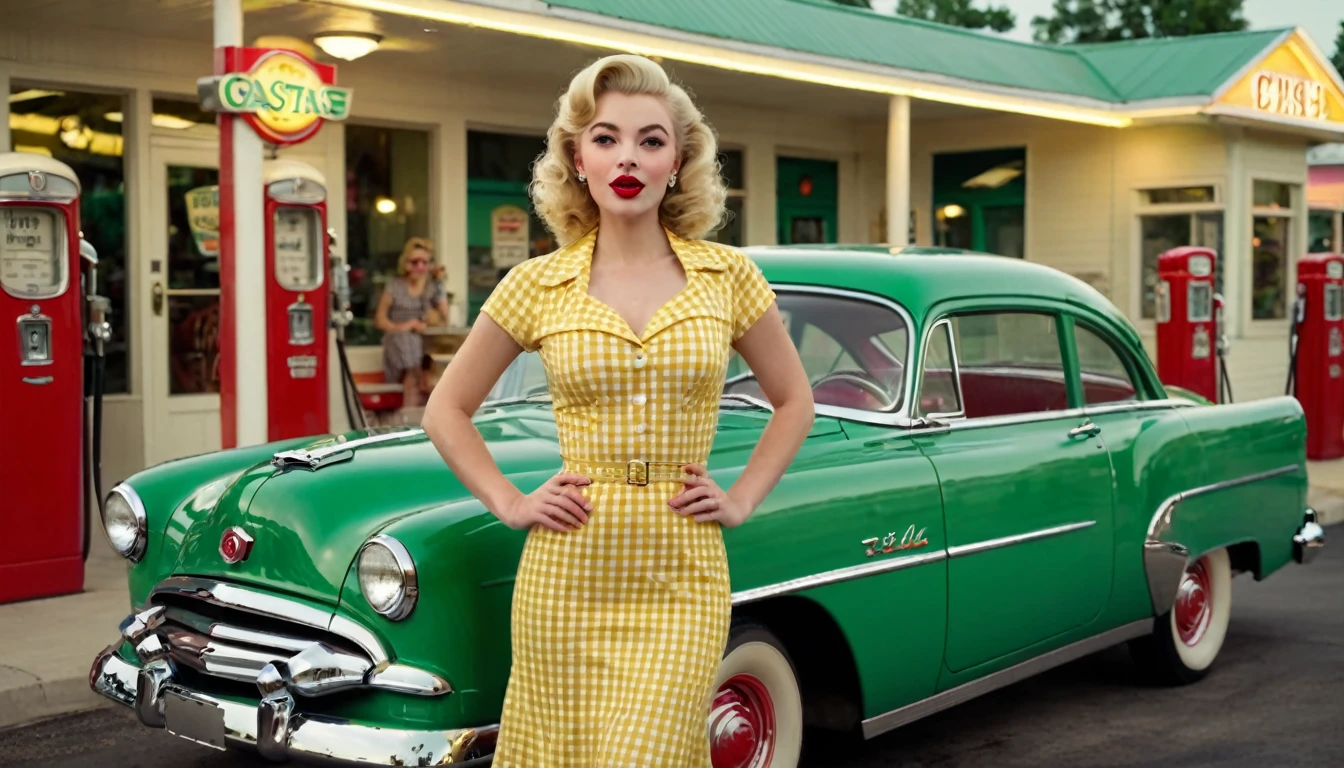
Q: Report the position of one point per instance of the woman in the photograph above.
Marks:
(401, 316)
(621, 605)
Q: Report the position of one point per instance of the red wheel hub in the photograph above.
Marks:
(742, 724)
(1194, 604)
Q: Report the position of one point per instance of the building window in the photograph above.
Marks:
(387, 173)
(503, 229)
(1323, 235)
(83, 130)
(1171, 217)
(731, 233)
(980, 201)
(1271, 242)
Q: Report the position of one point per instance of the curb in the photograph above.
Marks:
(1329, 506)
(42, 699)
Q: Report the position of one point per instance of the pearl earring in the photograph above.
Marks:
(582, 178)
(672, 181)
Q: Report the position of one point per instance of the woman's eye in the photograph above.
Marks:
(654, 142)
(603, 140)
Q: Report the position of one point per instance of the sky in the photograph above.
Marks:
(1320, 18)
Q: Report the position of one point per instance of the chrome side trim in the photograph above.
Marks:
(1163, 560)
(1021, 538)
(406, 679)
(362, 637)
(882, 723)
(836, 576)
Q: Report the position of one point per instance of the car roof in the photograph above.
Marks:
(918, 277)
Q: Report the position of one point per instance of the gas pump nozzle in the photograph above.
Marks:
(341, 316)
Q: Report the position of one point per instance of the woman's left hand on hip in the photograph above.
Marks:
(705, 501)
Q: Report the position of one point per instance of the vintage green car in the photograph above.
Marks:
(996, 483)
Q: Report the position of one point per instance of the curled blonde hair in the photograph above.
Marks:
(691, 209)
(412, 245)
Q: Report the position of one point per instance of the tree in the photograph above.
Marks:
(1096, 21)
(959, 13)
(1338, 60)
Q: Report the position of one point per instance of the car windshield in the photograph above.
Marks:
(854, 351)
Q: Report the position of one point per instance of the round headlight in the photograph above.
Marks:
(387, 577)
(124, 522)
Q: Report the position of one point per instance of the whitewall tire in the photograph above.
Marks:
(1187, 639)
(756, 717)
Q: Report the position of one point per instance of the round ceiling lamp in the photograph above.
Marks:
(348, 45)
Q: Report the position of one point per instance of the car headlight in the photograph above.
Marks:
(125, 523)
(387, 577)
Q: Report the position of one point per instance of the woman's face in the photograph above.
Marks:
(628, 152)
(418, 264)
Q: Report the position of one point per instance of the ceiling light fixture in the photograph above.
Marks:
(348, 45)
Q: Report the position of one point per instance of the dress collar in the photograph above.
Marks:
(570, 260)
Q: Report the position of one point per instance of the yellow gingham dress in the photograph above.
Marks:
(618, 628)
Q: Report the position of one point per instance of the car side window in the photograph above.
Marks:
(1007, 363)
(1105, 378)
(940, 394)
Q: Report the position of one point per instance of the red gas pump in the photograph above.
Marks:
(1191, 343)
(47, 276)
(1317, 347)
(296, 299)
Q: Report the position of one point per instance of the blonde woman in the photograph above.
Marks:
(622, 600)
(402, 314)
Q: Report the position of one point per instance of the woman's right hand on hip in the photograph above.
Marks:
(557, 504)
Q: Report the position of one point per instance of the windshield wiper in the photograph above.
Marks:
(747, 401)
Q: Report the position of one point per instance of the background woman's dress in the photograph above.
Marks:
(618, 628)
(405, 350)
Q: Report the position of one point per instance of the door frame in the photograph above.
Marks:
(159, 405)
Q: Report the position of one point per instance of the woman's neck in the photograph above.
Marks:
(630, 241)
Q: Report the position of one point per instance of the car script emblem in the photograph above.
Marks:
(235, 545)
(889, 543)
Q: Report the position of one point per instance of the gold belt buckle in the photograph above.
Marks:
(637, 472)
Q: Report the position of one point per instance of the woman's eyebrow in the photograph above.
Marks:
(605, 127)
(653, 127)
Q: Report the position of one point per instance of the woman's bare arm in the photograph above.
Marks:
(474, 369)
(769, 352)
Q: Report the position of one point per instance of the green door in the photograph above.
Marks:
(807, 200)
(979, 201)
(1026, 488)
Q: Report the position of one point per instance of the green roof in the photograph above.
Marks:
(1109, 72)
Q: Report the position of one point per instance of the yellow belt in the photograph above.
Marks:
(629, 472)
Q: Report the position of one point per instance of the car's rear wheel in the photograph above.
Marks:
(756, 719)
(1187, 638)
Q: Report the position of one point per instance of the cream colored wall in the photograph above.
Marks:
(142, 68)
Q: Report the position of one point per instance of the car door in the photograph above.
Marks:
(1026, 483)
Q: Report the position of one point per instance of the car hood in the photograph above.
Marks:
(310, 516)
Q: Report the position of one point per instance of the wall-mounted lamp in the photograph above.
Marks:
(348, 45)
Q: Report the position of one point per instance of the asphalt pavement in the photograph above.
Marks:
(1274, 699)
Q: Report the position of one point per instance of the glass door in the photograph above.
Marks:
(183, 292)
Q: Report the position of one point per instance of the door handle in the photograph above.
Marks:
(157, 293)
(1085, 430)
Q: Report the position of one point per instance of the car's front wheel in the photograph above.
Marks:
(756, 718)
(1187, 639)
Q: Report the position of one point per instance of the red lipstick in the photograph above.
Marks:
(627, 186)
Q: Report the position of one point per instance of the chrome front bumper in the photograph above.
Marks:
(272, 726)
(1309, 539)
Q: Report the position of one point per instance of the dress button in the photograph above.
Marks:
(639, 428)
(639, 359)
(639, 399)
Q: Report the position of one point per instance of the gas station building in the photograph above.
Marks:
(836, 125)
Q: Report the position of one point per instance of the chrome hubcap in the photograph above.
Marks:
(742, 724)
(1194, 604)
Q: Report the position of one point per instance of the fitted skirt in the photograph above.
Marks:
(617, 633)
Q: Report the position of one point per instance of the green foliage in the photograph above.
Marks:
(959, 13)
(1338, 59)
(1095, 21)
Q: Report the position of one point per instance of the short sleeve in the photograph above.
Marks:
(513, 305)
(752, 294)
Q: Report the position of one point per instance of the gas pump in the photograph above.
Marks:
(1191, 341)
(50, 443)
(296, 299)
(1316, 348)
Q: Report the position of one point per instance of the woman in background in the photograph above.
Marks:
(403, 312)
